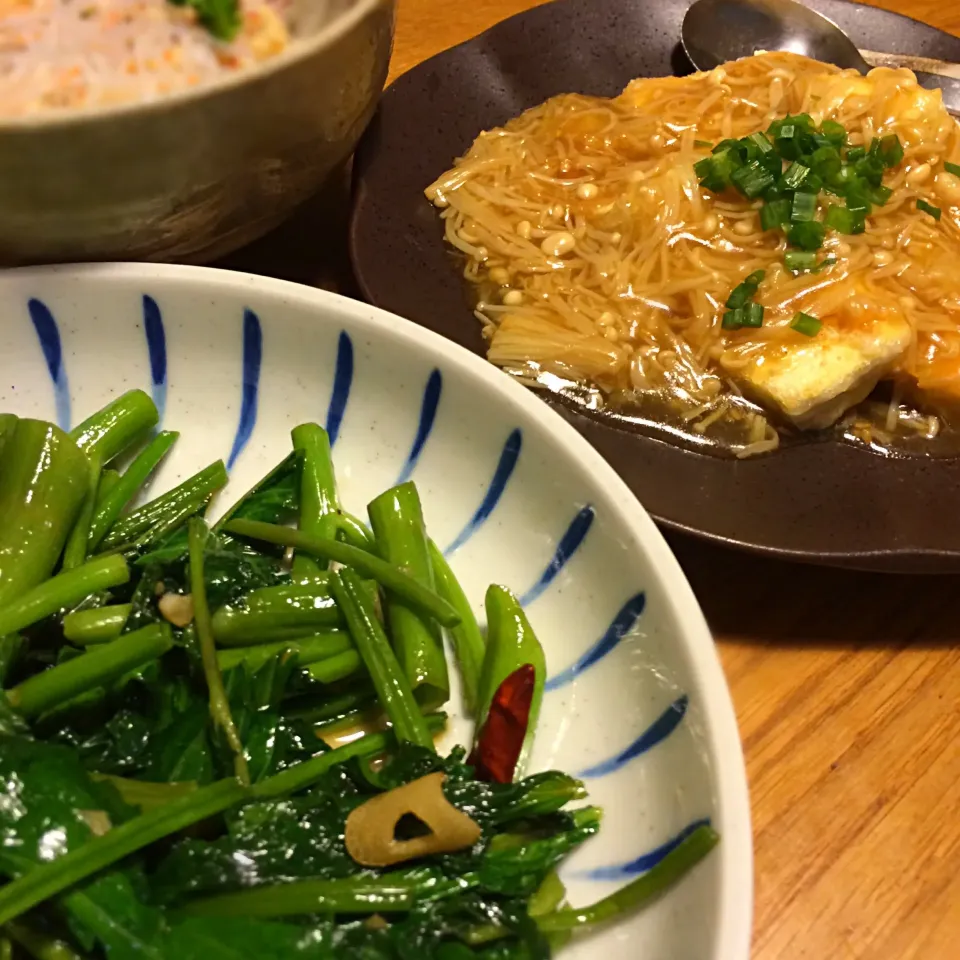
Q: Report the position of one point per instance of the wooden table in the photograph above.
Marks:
(846, 694)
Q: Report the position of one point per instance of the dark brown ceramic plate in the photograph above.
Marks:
(824, 502)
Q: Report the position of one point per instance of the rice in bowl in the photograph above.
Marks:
(64, 55)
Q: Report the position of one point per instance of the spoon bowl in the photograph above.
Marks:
(717, 31)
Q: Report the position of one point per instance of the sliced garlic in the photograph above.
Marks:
(370, 834)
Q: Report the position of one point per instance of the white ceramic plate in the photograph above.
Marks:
(637, 703)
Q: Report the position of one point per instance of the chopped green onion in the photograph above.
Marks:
(834, 132)
(888, 149)
(825, 262)
(792, 135)
(871, 169)
(800, 259)
(804, 207)
(826, 161)
(760, 141)
(774, 214)
(953, 168)
(752, 179)
(843, 220)
(820, 160)
(794, 175)
(752, 315)
(703, 168)
(806, 236)
(929, 208)
(728, 144)
(715, 171)
(745, 290)
(703, 143)
(858, 202)
(749, 315)
(776, 192)
(805, 324)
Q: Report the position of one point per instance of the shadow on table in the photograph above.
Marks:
(310, 246)
(754, 599)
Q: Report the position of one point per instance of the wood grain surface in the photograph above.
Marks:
(846, 688)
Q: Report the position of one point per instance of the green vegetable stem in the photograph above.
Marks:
(396, 517)
(39, 944)
(277, 616)
(349, 529)
(318, 491)
(303, 775)
(469, 646)
(388, 575)
(111, 430)
(75, 551)
(64, 590)
(338, 667)
(389, 680)
(98, 625)
(158, 512)
(10, 647)
(219, 705)
(111, 502)
(109, 478)
(639, 892)
(398, 891)
(308, 650)
(97, 668)
(48, 879)
(511, 643)
(147, 796)
(44, 479)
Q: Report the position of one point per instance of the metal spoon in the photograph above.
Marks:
(715, 31)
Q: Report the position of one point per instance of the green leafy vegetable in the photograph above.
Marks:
(180, 772)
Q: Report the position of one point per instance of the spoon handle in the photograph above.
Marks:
(940, 68)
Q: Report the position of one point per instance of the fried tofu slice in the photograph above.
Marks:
(813, 383)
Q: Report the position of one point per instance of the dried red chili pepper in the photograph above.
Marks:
(498, 747)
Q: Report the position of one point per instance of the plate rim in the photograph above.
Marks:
(736, 888)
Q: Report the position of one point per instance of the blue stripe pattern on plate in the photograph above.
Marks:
(428, 413)
(566, 548)
(501, 477)
(49, 337)
(645, 862)
(252, 358)
(659, 730)
(622, 624)
(157, 352)
(342, 381)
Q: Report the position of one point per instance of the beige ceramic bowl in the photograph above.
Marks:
(198, 174)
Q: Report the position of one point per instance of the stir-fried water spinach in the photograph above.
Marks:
(213, 749)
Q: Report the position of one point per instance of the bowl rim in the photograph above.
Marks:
(298, 50)
(728, 770)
